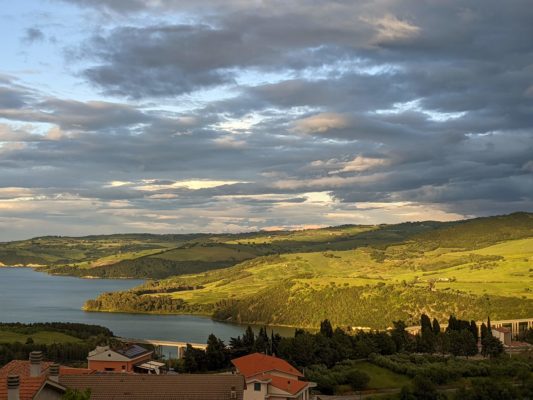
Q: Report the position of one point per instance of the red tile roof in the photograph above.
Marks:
(257, 363)
(291, 386)
(158, 387)
(29, 386)
(74, 371)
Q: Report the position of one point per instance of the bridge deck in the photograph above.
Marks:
(166, 343)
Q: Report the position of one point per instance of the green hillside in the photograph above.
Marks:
(356, 276)
(161, 256)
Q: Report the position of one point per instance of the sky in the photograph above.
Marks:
(174, 116)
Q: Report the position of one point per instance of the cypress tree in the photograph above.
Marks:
(436, 326)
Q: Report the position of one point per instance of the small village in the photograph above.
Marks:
(130, 371)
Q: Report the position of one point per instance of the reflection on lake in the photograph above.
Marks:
(30, 296)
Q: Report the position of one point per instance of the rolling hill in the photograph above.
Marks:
(356, 276)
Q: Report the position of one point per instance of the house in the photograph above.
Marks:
(34, 379)
(503, 334)
(107, 359)
(269, 377)
(158, 387)
(38, 380)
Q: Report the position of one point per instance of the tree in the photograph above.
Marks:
(424, 389)
(462, 343)
(426, 341)
(442, 343)
(399, 335)
(248, 339)
(488, 389)
(275, 339)
(262, 343)
(491, 346)
(425, 323)
(452, 324)
(469, 343)
(484, 331)
(326, 329)
(473, 329)
(436, 327)
(357, 379)
(215, 353)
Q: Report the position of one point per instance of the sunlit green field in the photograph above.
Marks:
(511, 276)
(382, 378)
(41, 337)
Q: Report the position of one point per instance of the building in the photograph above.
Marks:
(271, 378)
(38, 380)
(34, 379)
(127, 359)
(503, 334)
(158, 387)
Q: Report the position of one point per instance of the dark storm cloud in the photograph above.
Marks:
(417, 102)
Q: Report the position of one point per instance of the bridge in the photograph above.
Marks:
(159, 344)
(517, 326)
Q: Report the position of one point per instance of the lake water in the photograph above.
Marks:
(30, 296)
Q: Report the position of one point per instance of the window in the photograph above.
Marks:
(109, 369)
(257, 387)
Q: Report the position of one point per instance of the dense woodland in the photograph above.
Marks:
(330, 357)
(74, 353)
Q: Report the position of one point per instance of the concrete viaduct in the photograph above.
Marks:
(517, 326)
(159, 344)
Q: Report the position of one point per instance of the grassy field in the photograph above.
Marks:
(382, 378)
(352, 275)
(509, 276)
(41, 337)
(351, 284)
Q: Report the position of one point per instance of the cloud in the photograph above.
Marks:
(33, 35)
(321, 123)
(390, 29)
(188, 115)
(361, 164)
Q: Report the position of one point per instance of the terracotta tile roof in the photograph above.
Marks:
(157, 387)
(254, 364)
(29, 386)
(291, 386)
(74, 371)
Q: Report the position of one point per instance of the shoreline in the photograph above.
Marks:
(207, 316)
(42, 268)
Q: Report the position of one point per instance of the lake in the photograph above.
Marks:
(30, 296)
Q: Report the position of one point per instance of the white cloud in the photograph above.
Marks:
(390, 29)
(321, 123)
(361, 164)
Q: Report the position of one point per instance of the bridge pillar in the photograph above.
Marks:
(181, 351)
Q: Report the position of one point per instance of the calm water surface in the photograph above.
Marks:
(30, 296)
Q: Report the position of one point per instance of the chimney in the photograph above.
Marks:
(35, 363)
(13, 384)
(54, 372)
